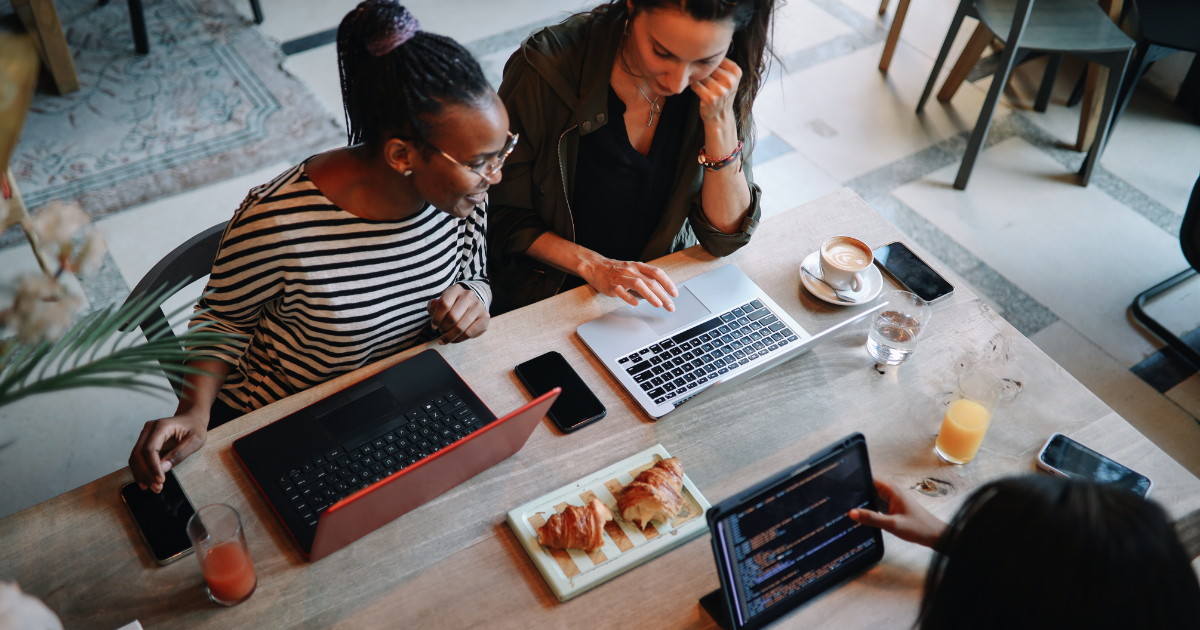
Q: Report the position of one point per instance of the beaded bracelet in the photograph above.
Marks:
(710, 164)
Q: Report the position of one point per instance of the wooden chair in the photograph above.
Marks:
(185, 264)
(1054, 27)
(137, 19)
(41, 20)
(1189, 242)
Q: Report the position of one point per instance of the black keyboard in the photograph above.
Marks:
(312, 486)
(680, 363)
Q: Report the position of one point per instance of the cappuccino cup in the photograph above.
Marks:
(844, 263)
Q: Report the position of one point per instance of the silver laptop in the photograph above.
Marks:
(725, 330)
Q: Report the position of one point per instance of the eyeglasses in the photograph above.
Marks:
(490, 165)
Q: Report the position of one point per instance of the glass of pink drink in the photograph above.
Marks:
(220, 544)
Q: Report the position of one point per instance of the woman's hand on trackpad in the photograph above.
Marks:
(629, 280)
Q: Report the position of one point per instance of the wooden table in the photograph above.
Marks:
(453, 563)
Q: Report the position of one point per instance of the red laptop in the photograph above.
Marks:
(341, 468)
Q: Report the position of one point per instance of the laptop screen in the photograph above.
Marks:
(793, 540)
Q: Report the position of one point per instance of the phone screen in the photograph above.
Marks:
(1076, 460)
(162, 518)
(912, 272)
(576, 406)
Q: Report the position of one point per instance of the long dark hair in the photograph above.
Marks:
(1046, 552)
(396, 77)
(751, 40)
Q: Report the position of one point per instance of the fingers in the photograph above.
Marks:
(619, 291)
(440, 307)
(659, 276)
(886, 491)
(189, 445)
(645, 291)
(137, 463)
(466, 319)
(872, 518)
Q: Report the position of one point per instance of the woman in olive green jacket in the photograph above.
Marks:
(584, 200)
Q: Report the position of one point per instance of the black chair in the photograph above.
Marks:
(1053, 27)
(137, 19)
(1189, 241)
(186, 263)
(1163, 27)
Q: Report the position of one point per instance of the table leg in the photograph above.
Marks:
(893, 35)
(41, 20)
(966, 62)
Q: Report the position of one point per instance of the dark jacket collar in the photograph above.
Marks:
(566, 57)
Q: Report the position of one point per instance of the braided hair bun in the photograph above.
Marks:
(397, 78)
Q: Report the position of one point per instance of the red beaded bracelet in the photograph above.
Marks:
(710, 164)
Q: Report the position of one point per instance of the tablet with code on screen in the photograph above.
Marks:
(789, 539)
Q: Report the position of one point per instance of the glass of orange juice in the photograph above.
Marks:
(968, 416)
(220, 544)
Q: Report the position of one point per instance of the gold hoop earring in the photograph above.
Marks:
(625, 31)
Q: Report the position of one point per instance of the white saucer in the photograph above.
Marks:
(822, 292)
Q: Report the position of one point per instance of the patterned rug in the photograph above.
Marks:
(210, 101)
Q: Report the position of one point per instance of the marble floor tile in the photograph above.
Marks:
(1151, 413)
(1155, 145)
(850, 119)
(464, 20)
(790, 180)
(1187, 395)
(800, 24)
(319, 69)
(62, 440)
(1069, 247)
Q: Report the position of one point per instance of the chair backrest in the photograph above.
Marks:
(1189, 232)
(186, 263)
(1171, 23)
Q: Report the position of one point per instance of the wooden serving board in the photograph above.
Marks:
(572, 572)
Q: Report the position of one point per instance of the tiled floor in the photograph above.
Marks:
(1059, 261)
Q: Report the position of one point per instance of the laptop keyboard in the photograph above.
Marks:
(680, 363)
(315, 485)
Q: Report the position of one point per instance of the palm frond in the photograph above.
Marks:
(84, 356)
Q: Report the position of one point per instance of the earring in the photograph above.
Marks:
(625, 31)
(408, 172)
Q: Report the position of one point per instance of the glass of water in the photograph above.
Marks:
(896, 329)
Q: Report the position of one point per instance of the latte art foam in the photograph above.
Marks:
(847, 256)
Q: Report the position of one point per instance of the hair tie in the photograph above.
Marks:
(402, 29)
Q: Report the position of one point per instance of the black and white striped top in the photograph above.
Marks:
(320, 291)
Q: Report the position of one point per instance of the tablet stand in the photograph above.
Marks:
(718, 608)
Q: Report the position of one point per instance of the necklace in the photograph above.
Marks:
(654, 106)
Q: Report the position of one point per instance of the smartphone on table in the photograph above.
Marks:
(576, 406)
(1065, 457)
(161, 518)
(912, 273)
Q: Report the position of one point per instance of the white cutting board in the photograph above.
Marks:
(572, 571)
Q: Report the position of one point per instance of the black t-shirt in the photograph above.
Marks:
(620, 195)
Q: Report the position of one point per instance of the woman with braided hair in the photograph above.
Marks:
(636, 128)
(358, 253)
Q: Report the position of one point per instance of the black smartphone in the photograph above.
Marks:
(577, 406)
(1065, 457)
(162, 518)
(911, 272)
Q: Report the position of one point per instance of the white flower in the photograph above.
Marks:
(89, 257)
(19, 611)
(42, 309)
(56, 223)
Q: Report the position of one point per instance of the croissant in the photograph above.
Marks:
(656, 494)
(576, 527)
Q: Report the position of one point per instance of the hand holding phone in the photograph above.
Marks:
(577, 406)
